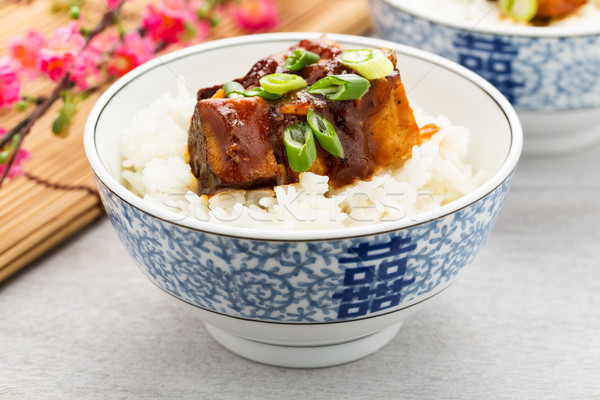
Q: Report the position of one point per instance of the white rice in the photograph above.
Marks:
(486, 12)
(154, 168)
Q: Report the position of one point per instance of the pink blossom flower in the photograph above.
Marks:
(25, 51)
(202, 30)
(170, 21)
(9, 83)
(112, 4)
(104, 41)
(255, 15)
(64, 47)
(130, 53)
(17, 167)
(85, 66)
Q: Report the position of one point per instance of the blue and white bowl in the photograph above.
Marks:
(551, 75)
(305, 298)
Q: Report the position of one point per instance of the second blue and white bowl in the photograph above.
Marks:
(551, 75)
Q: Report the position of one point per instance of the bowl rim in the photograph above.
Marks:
(280, 235)
(546, 32)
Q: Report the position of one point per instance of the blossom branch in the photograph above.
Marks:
(70, 59)
(11, 160)
(24, 127)
(108, 18)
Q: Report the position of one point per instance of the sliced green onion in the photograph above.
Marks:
(369, 63)
(282, 83)
(299, 59)
(233, 90)
(325, 134)
(300, 146)
(341, 87)
(261, 93)
(520, 10)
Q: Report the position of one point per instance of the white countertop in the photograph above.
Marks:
(522, 322)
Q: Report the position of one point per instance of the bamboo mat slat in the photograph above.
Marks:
(35, 218)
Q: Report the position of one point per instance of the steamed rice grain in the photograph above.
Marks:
(154, 167)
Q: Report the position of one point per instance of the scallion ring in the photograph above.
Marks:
(282, 83)
(519, 10)
(299, 59)
(233, 90)
(258, 91)
(325, 134)
(300, 146)
(369, 63)
(341, 87)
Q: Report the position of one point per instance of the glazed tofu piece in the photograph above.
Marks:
(557, 8)
(394, 128)
(230, 144)
(238, 142)
(375, 131)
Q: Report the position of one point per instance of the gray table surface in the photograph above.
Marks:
(522, 322)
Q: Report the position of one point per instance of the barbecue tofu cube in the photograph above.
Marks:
(230, 144)
(237, 143)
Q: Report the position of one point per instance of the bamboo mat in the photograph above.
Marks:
(36, 216)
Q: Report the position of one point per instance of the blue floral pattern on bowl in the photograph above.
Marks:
(534, 73)
(304, 281)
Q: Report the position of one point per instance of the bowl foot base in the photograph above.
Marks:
(558, 133)
(304, 356)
